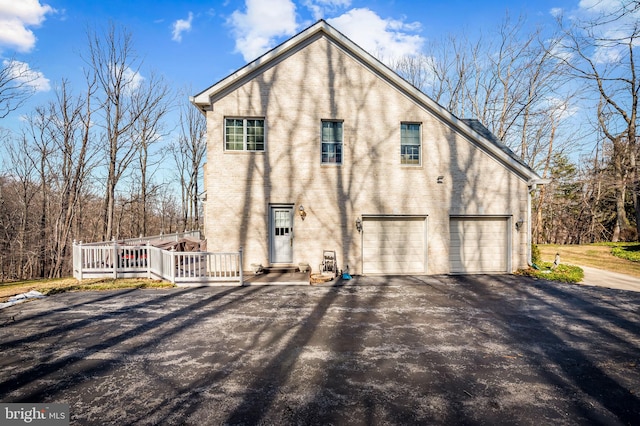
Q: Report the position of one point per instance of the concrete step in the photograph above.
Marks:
(280, 269)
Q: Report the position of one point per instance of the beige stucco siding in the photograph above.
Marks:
(321, 82)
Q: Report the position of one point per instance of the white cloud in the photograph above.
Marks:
(621, 20)
(559, 50)
(15, 18)
(608, 54)
(388, 39)
(257, 29)
(560, 108)
(597, 6)
(556, 12)
(320, 8)
(133, 78)
(180, 26)
(25, 75)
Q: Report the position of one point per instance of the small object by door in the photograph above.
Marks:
(281, 231)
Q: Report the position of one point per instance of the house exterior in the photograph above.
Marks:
(317, 145)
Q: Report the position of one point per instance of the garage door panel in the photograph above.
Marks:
(478, 245)
(484, 255)
(401, 268)
(403, 252)
(397, 237)
(492, 249)
(393, 245)
(484, 259)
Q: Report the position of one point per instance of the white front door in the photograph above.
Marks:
(281, 224)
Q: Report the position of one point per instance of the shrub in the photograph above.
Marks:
(563, 273)
(627, 251)
(536, 257)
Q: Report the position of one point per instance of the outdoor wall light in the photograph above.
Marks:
(303, 214)
(440, 179)
(359, 225)
(519, 224)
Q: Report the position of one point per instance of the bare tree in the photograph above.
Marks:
(115, 67)
(16, 86)
(168, 211)
(417, 70)
(24, 191)
(37, 149)
(508, 80)
(70, 131)
(189, 152)
(604, 57)
(151, 103)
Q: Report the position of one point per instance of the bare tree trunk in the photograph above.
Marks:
(616, 84)
(70, 130)
(42, 240)
(114, 67)
(25, 192)
(545, 174)
(189, 153)
(151, 105)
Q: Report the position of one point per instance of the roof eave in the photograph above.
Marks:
(203, 99)
(525, 172)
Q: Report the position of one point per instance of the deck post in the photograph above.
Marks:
(148, 260)
(115, 259)
(174, 266)
(80, 260)
(240, 266)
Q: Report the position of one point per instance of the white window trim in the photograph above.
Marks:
(325, 120)
(244, 134)
(420, 149)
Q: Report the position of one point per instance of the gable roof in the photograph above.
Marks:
(473, 130)
(480, 128)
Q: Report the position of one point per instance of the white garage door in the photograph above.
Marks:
(392, 245)
(479, 245)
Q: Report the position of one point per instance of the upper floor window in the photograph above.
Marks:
(331, 142)
(410, 143)
(244, 134)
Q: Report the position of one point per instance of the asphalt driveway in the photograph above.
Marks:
(414, 350)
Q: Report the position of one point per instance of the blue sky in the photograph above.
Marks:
(196, 43)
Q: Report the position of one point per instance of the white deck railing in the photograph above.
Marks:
(131, 261)
(153, 239)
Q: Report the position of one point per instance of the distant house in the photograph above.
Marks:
(317, 145)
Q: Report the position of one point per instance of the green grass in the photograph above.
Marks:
(61, 285)
(614, 257)
(628, 251)
(563, 273)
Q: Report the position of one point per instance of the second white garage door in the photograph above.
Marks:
(394, 245)
(479, 244)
